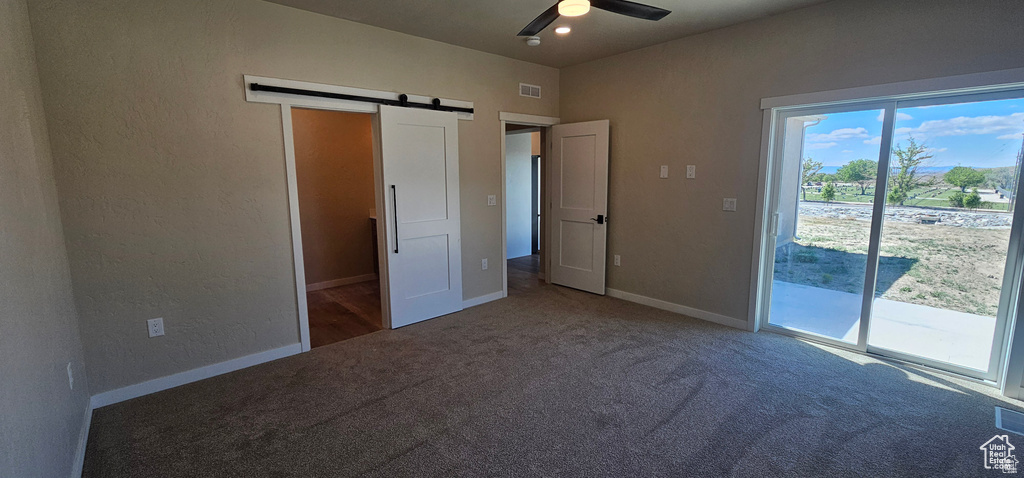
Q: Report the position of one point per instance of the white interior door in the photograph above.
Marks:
(420, 174)
(579, 205)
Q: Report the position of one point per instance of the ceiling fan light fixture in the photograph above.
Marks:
(573, 8)
(563, 30)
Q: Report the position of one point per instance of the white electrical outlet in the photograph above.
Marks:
(664, 172)
(492, 200)
(483, 264)
(691, 171)
(71, 377)
(156, 327)
(618, 260)
(729, 204)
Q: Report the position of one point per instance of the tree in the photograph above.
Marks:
(964, 177)
(957, 199)
(972, 200)
(859, 171)
(828, 192)
(810, 168)
(903, 175)
(821, 178)
(999, 178)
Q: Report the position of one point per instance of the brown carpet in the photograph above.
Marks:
(556, 382)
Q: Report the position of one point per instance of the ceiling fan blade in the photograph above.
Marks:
(541, 22)
(624, 7)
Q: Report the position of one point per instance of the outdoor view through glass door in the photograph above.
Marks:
(946, 231)
(892, 227)
(820, 250)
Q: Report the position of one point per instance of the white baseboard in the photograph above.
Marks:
(163, 383)
(482, 299)
(83, 439)
(340, 282)
(679, 309)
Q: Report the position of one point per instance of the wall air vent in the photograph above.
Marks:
(532, 91)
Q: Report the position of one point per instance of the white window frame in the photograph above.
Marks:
(979, 86)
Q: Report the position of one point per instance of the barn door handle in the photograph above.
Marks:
(599, 219)
(394, 205)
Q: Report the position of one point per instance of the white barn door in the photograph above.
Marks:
(579, 205)
(420, 174)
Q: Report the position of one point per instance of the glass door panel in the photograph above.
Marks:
(826, 169)
(945, 235)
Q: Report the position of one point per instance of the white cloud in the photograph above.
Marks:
(936, 150)
(847, 150)
(965, 125)
(822, 145)
(899, 116)
(837, 135)
(875, 140)
(1011, 136)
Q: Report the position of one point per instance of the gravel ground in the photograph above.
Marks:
(947, 217)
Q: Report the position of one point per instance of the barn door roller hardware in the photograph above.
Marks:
(403, 99)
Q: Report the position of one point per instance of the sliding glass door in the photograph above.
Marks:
(942, 287)
(823, 226)
(892, 227)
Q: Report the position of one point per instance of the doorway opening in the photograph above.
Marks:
(415, 188)
(334, 164)
(572, 218)
(523, 211)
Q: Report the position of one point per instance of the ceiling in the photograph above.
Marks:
(491, 25)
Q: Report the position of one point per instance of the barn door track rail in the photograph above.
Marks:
(402, 101)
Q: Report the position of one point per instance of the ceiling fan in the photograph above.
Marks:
(575, 8)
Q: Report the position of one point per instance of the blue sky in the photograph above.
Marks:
(980, 135)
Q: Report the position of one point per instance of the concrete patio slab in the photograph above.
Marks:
(944, 335)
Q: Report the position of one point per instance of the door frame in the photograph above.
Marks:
(289, 101)
(545, 123)
(982, 86)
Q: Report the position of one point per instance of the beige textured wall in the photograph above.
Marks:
(172, 187)
(696, 101)
(40, 416)
(334, 168)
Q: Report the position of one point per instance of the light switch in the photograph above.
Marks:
(492, 200)
(664, 172)
(691, 171)
(618, 260)
(729, 204)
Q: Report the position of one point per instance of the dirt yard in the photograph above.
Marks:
(954, 268)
